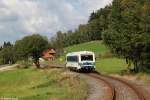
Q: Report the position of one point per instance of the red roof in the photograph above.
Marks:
(51, 51)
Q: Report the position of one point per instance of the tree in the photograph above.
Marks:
(7, 55)
(31, 46)
(1, 48)
(6, 44)
(128, 32)
(98, 22)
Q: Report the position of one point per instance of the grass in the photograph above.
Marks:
(96, 46)
(110, 65)
(34, 84)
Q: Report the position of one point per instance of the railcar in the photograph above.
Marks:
(81, 61)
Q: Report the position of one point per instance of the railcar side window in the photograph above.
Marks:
(87, 57)
(72, 58)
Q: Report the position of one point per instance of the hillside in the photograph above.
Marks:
(96, 46)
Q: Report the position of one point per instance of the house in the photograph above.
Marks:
(49, 54)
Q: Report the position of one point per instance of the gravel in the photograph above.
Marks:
(141, 85)
(123, 92)
(98, 90)
(144, 87)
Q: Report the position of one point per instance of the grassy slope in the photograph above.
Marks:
(107, 65)
(110, 65)
(95, 46)
(33, 84)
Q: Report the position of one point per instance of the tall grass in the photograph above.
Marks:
(34, 84)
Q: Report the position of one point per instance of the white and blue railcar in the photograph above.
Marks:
(83, 60)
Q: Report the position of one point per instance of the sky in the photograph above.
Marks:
(19, 18)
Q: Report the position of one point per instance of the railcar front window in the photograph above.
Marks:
(87, 57)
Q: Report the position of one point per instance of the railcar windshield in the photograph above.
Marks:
(86, 57)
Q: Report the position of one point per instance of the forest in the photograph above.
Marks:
(124, 26)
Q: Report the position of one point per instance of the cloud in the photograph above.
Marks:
(23, 17)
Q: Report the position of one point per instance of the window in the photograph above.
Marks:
(72, 58)
(87, 57)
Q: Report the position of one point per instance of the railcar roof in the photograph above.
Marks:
(80, 52)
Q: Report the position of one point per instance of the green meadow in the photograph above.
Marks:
(35, 84)
(96, 46)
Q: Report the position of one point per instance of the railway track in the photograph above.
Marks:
(120, 89)
(111, 94)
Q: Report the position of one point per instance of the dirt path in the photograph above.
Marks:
(7, 67)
